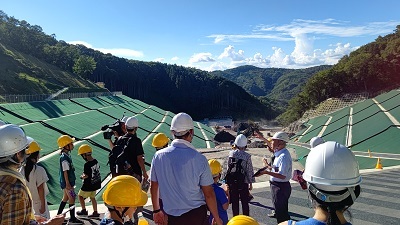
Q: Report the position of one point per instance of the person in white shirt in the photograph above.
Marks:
(280, 174)
(36, 178)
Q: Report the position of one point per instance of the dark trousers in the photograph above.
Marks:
(280, 192)
(196, 216)
(239, 192)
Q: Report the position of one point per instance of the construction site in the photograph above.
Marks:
(370, 127)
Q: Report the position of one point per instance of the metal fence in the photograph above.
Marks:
(43, 97)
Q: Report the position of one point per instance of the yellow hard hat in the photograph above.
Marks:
(85, 148)
(215, 166)
(64, 140)
(124, 191)
(33, 147)
(242, 220)
(160, 140)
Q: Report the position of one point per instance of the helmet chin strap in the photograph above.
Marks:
(121, 216)
(327, 197)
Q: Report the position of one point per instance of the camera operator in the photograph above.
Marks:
(123, 120)
(116, 130)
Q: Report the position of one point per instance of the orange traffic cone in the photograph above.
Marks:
(369, 153)
(378, 164)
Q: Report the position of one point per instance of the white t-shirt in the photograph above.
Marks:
(37, 177)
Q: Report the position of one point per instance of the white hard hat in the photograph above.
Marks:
(12, 140)
(131, 123)
(181, 123)
(316, 141)
(281, 136)
(241, 141)
(332, 167)
(124, 119)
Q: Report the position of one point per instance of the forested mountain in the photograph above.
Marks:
(371, 68)
(276, 83)
(31, 58)
(273, 86)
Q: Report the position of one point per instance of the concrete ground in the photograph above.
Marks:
(379, 202)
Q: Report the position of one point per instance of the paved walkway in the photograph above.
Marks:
(379, 202)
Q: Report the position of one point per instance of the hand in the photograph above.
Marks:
(251, 187)
(265, 162)
(159, 218)
(83, 176)
(40, 219)
(57, 220)
(145, 176)
(217, 221)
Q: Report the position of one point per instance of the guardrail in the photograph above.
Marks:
(11, 98)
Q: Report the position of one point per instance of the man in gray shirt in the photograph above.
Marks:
(181, 177)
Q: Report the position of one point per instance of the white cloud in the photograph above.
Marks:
(216, 66)
(219, 38)
(304, 33)
(201, 57)
(159, 60)
(229, 52)
(176, 58)
(121, 52)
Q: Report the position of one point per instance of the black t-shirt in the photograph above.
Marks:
(93, 180)
(133, 150)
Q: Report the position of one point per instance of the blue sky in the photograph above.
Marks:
(215, 35)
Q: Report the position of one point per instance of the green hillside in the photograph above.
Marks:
(274, 86)
(276, 83)
(46, 65)
(24, 74)
(372, 68)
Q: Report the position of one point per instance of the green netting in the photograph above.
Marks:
(9, 118)
(114, 99)
(150, 114)
(132, 107)
(395, 112)
(146, 123)
(318, 124)
(387, 96)
(92, 103)
(385, 142)
(124, 98)
(368, 112)
(298, 134)
(44, 136)
(82, 124)
(209, 132)
(370, 163)
(155, 108)
(337, 128)
(168, 117)
(301, 152)
(391, 103)
(366, 105)
(369, 126)
(116, 110)
(140, 103)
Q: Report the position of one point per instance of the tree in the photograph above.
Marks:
(84, 66)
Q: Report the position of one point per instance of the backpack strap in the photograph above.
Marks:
(125, 146)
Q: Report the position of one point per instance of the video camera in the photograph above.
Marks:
(108, 129)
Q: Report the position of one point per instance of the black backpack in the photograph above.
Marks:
(237, 175)
(117, 159)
